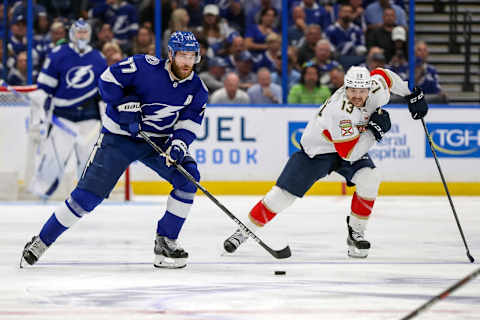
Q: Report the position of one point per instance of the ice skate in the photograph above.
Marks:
(357, 245)
(169, 254)
(33, 251)
(234, 241)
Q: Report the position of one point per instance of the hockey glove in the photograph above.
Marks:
(130, 114)
(176, 152)
(416, 104)
(379, 123)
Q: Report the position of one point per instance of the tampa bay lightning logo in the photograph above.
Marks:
(80, 77)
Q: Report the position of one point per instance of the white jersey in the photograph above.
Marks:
(339, 127)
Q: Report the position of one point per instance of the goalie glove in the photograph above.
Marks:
(416, 103)
(130, 114)
(379, 123)
(176, 152)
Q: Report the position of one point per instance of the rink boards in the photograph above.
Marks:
(242, 150)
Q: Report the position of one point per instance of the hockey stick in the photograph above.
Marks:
(446, 190)
(279, 254)
(442, 295)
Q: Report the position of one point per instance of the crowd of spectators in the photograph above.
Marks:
(240, 41)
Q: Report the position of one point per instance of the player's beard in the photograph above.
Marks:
(181, 72)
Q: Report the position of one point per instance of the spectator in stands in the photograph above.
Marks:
(265, 92)
(272, 56)
(358, 16)
(236, 45)
(254, 11)
(213, 78)
(337, 76)
(346, 37)
(234, 13)
(194, 9)
(426, 76)
(315, 13)
(382, 36)
(205, 55)
(103, 35)
(18, 75)
(111, 51)
(375, 59)
(58, 36)
(230, 94)
(123, 18)
(374, 14)
(2, 68)
(307, 50)
(399, 63)
(143, 41)
(256, 35)
(293, 76)
(309, 90)
(214, 29)
(243, 63)
(322, 60)
(18, 42)
(178, 21)
(299, 27)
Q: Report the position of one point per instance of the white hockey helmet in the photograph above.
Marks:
(80, 25)
(357, 77)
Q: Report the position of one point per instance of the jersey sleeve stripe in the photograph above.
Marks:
(384, 75)
(47, 80)
(189, 125)
(108, 76)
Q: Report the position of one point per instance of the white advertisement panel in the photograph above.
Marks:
(253, 144)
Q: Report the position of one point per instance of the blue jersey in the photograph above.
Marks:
(169, 106)
(345, 40)
(123, 19)
(71, 78)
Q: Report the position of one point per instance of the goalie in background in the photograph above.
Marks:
(71, 121)
(337, 139)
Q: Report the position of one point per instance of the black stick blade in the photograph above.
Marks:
(281, 254)
(470, 257)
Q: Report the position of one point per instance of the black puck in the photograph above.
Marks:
(280, 273)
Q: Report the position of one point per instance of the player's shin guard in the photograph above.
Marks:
(361, 209)
(168, 253)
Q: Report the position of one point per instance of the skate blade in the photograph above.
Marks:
(354, 252)
(163, 262)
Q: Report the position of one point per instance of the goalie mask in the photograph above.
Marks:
(184, 41)
(80, 34)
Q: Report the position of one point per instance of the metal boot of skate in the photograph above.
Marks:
(234, 241)
(33, 250)
(358, 246)
(169, 254)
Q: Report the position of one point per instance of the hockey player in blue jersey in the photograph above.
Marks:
(69, 77)
(166, 100)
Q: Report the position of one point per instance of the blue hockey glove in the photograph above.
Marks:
(130, 114)
(379, 123)
(416, 104)
(176, 152)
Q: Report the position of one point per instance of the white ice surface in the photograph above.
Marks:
(102, 267)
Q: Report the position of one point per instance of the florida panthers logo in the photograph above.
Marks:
(80, 77)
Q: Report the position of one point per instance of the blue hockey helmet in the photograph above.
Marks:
(80, 25)
(184, 41)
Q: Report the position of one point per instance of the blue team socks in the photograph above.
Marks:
(170, 225)
(51, 230)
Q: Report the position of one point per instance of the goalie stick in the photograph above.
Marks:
(442, 295)
(429, 138)
(279, 254)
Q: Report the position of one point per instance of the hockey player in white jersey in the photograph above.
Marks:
(166, 100)
(338, 138)
(72, 116)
